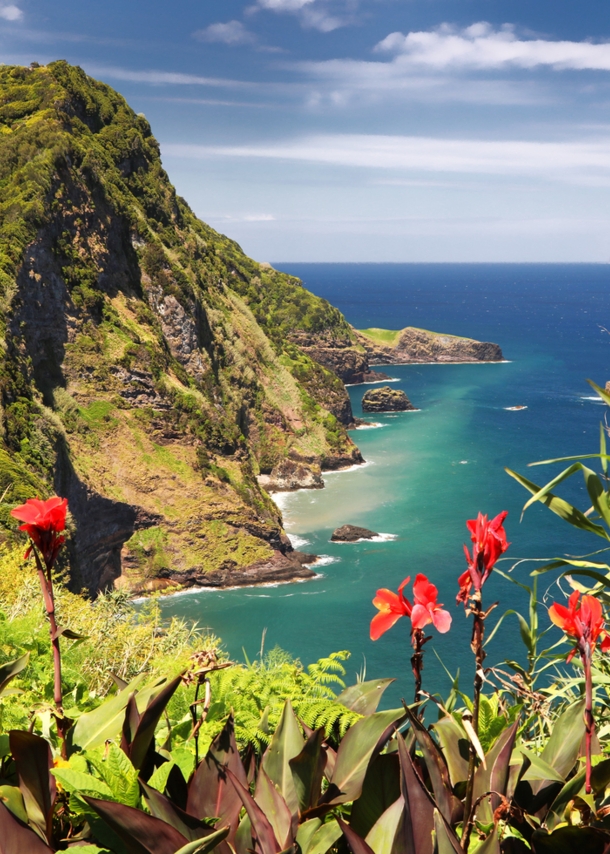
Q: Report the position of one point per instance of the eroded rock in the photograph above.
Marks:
(386, 399)
(351, 534)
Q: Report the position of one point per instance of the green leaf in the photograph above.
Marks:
(274, 807)
(323, 839)
(12, 799)
(158, 779)
(383, 833)
(455, 746)
(11, 669)
(364, 697)
(572, 788)
(380, 790)
(357, 748)
(308, 770)
(204, 846)
(94, 728)
(601, 391)
(560, 507)
(287, 742)
(569, 840)
(80, 783)
(539, 769)
(491, 845)
(120, 775)
(562, 749)
(446, 840)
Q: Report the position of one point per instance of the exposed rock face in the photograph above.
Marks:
(350, 363)
(146, 372)
(351, 534)
(419, 345)
(386, 399)
(289, 475)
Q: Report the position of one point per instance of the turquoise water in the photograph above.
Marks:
(429, 471)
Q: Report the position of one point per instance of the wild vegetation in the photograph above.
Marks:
(128, 324)
(201, 754)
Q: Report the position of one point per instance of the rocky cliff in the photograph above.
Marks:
(146, 371)
(388, 347)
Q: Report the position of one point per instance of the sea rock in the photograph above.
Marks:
(351, 534)
(289, 475)
(386, 399)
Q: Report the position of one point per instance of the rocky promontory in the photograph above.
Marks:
(386, 399)
(289, 475)
(388, 347)
(351, 534)
(341, 354)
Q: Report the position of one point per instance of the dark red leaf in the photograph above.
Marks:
(355, 842)
(139, 832)
(34, 761)
(16, 838)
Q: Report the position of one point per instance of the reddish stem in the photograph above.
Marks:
(476, 644)
(46, 584)
(589, 719)
(417, 660)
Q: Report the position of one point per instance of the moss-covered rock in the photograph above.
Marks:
(146, 371)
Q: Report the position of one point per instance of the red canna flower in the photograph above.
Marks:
(425, 608)
(391, 608)
(43, 522)
(584, 623)
(489, 540)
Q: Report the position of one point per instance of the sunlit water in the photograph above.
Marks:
(429, 471)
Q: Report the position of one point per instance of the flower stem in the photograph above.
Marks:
(417, 660)
(476, 644)
(589, 719)
(46, 584)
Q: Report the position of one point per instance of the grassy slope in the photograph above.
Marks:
(83, 189)
(389, 337)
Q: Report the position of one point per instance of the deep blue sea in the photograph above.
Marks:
(429, 471)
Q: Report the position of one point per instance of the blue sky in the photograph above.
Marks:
(362, 130)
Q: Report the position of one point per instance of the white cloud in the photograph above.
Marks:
(11, 13)
(314, 14)
(565, 161)
(155, 77)
(231, 33)
(481, 47)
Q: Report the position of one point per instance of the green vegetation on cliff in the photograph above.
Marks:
(146, 371)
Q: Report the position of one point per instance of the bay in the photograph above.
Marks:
(429, 471)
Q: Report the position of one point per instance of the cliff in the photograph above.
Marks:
(146, 371)
(394, 347)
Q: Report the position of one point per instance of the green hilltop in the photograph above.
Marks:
(147, 369)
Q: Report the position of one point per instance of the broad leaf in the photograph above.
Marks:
(286, 744)
(94, 728)
(493, 777)
(574, 787)
(12, 799)
(161, 807)
(323, 838)
(82, 783)
(383, 834)
(11, 669)
(206, 845)
(261, 825)
(571, 840)
(446, 801)
(142, 740)
(210, 793)
(455, 746)
(308, 770)
(139, 832)
(381, 788)
(34, 761)
(562, 748)
(274, 807)
(364, 697)
(359, 746)
(16, 838)
(446, 840)
(539, 769)
(120, 775)
(355, 842)
(418, 807)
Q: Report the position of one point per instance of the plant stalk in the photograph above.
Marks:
(476, 644)
(46, 584)
(417, 661)
(589, 719)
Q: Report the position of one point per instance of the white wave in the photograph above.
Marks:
(375, 382)
(373, 425)
(297, 542)
(594, 397)
(324, 560)
(514, 408)
(356, 467)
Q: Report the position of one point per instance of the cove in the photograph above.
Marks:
(429, 471)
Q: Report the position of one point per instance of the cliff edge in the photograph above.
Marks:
(146, 370)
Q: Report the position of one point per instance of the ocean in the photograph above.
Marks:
(429, 471)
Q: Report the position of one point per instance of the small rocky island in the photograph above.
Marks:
(351, 534)
(386, 399)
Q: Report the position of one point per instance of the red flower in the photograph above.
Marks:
(584, 623)
(489, 540)
(425, 609)
(43, 522)
(391, 608)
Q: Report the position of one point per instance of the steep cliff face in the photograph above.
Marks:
(387, 347)
(146, 369)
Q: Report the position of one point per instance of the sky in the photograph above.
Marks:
(362, 130)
